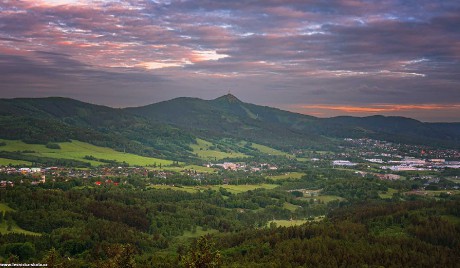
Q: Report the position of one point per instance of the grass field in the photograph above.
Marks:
(15, 229)
(325, 198)
(290, 206)
(267, 150)
(4, 208)
(234, 189)
(77, 150)
(7, 162)
(191, 167)
(388, 194)
(202, 149)
(199, 232)
(394, 230)
(289, 175)
(287, 223)
(188, 189)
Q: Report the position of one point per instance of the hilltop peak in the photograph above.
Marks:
(230, 98)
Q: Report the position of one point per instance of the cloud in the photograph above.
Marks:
(158, 65)
(382, 108)
(437, 112)
(290, 50)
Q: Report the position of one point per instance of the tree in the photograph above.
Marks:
(22, 251)
(202, 254)
(53, 259)
(119, 256)
(53, 146)
(9, 222)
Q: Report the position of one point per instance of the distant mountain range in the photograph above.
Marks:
(167, 129)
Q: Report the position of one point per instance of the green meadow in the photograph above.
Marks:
(268, 150)
(4, 208)
(13, 162)
(196, 168)
(290, 206)
(77, 150)
(14, 228)
(287, 223)
(325, 198)
(234, 189)
(288, 175)
(204, 151)
(188, 189)
(388, 194)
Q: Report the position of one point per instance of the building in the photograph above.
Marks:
(343, 163)
(413, 161)
(380, 161)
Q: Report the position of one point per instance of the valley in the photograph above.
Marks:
(251, 183)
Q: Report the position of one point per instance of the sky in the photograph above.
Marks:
(317, 57)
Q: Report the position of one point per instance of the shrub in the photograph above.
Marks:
(53, 146)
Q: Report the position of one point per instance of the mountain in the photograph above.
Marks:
(54, 119)
(392, 128)
(228, 116)
(167, 129)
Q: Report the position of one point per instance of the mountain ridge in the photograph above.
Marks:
(191, 113)
(167, 128)
(215, 99)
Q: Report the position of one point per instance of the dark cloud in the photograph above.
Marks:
(276, 52)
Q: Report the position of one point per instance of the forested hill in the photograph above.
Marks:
(227, 115)
(168, 128)
(46, 120)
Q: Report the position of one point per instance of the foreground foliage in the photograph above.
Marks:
(73, 222)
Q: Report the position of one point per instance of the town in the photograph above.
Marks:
(364, 157)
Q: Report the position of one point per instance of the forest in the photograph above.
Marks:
(71, 223)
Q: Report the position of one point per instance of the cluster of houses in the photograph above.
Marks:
(406, 164)
(26, 170)
(107, 182)
(243, 166)
(388, 150)
(39, 175)
(413, 164)
(4, 184)
(392, 158)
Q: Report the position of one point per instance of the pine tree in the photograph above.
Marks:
(202, 255)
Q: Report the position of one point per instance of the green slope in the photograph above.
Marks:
(45, 120)
(77, 150)
(167, 129)
(204, 150)
(229, 117)
(14, 227)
